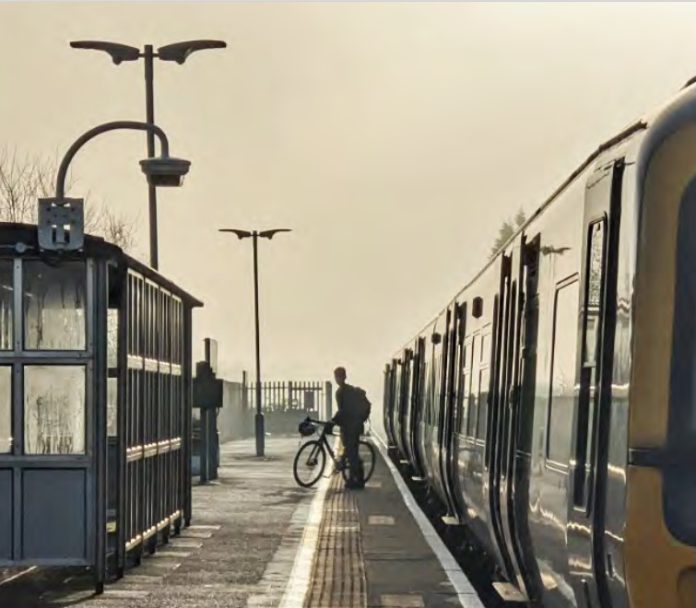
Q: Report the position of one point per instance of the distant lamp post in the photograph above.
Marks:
(255, 235)
(61, 219)
(177, 52)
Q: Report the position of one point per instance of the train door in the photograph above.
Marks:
(393, 375)
(402, 404)
(514, 437)
(450, 410)
(588, 463)
(417, 405)
(501, 436)
(386, 401)
(443, 412)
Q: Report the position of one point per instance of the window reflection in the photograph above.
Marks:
(54, 409)
(6, 303)
(54, 306)
(5, 409)
(484, 380)
(112, 407)
(594, 290)
(112, 338)
(563, 373)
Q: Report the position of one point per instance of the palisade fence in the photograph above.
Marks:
(286, 403)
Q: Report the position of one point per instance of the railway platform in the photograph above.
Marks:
(259, 541)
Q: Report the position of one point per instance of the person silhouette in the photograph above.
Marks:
(350, 417)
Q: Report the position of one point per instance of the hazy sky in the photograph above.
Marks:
(393, 138)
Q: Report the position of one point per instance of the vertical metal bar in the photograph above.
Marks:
(150, 118)
(18, 409)
(125, 332)
(204, 445)
(187, 404)
(260, 431)
(97, 300)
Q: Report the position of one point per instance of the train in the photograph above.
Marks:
(550, 406)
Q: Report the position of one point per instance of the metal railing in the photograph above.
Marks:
(313, 397)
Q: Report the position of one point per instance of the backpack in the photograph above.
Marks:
(361, 403)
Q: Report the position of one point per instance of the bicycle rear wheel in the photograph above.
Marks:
(366, 452)
(309, 464)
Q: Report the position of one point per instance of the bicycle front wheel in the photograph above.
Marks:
(309, 464)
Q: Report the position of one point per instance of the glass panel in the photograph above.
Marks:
(6, 304)
(563, 373)
(483, 404)
(5, 409)
(594, 290)
(112, 407)
(485, 349)
(473, 396)
(679, 491)
(112, 338)
(464, 412)
(54, 306)
(54, 409)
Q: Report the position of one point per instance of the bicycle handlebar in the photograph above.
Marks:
(322, 422)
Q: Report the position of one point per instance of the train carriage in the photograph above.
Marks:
(552, 407)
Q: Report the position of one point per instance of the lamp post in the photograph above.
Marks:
(61, 219)
(259, 423)
(178, 52)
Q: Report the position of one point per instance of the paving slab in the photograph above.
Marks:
(374, 552)
(239, 525)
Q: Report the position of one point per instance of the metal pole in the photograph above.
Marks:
(150, 118)
(260, 431)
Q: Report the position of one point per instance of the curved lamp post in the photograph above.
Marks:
(255, 235)
(177, 52)
(61, 219)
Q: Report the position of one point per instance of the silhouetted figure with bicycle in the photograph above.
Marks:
(353, 411)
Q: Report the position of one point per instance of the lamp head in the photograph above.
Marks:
(269, 234)
(117, 52)
(180, 51)
(241, 234)
(165, 171)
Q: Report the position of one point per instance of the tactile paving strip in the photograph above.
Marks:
(338, 573)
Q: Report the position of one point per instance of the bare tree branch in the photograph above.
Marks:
(25, 179)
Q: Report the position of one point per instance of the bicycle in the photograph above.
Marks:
(310, 459)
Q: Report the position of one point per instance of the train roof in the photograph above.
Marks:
(624, 135)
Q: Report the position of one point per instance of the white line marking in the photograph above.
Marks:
(467, 595)
(300, 576)
(380, 520)
(18, 575)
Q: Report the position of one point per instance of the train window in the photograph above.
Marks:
(562, 397)
(593, 293)
(54, 409)
(679, 491)
(437, 387)
(473, 405)
(5, 409)
(465, 388)
(589, 391)
(423, 391)
(484, 380)
(485, 349)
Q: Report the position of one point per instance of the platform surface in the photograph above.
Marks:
(259, 541)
